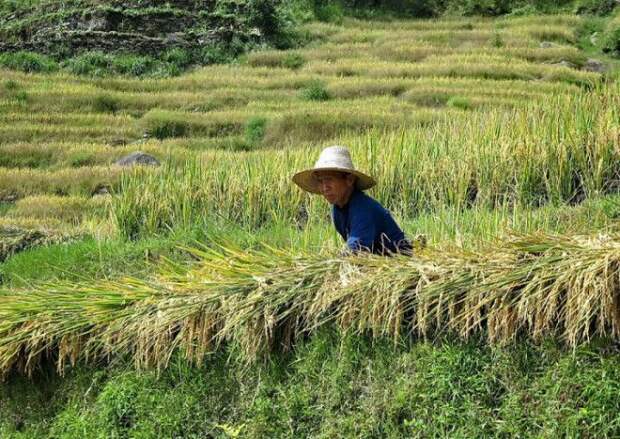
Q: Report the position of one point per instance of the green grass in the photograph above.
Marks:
(28, 62)
(86, 259)
(334, 386)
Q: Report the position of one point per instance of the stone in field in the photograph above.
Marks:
(8, 198)
(547, 45)
(137, 158)
(565, 63)
(101, 190)
(594, 65)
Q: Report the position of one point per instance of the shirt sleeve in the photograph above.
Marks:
(362, 234)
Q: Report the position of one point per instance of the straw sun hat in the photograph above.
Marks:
(332, 158)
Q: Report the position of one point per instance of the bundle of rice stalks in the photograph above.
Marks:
(267, 299)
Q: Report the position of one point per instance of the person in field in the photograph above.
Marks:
(362, 221)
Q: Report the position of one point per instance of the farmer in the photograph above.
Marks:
(362, 222)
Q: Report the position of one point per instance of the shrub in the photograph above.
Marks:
(255, 130)
(132, 65)
(255, 22)
(459, 102)
(412, 8)
(166, 69)
(11, 85)
(89, 63)
(481, 7)
(328, 11)
(28, 62)
(597, 7)
(293, 61)
(316, 91)
(106, 104)
(611, 38)
(524, 10)
(178, 57)
(497, 40)
(215, 54)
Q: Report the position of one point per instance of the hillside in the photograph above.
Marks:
(137, 37)
(206, 297)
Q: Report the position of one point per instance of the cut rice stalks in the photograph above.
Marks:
(265, 300)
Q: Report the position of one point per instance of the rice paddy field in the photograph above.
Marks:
(206, 297)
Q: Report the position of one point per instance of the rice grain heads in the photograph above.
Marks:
(265, 300)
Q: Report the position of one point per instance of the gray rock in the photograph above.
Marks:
(547, 45)
(97, 23)
(564, 63)
(176, 39)
(137, 158)
(594, 65)
(101, 190)
(9, 198)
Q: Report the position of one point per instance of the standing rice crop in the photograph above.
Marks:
(565, 150)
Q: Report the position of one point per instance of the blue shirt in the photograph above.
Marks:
(366, 225)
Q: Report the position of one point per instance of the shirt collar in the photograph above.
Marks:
(356, 193)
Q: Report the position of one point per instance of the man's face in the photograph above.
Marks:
(336, 187)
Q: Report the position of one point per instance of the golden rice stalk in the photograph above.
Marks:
(268, 299)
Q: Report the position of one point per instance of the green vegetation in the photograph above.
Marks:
(494, 140)
(100, 64)
(334, 385)
(316, 91)
(255, 130)
(611, 37)
(28, 62)
(335, 10)
(142, 29)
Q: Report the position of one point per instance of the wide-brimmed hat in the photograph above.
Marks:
(332, 158)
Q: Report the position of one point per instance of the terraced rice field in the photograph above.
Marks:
(473, 128)
(425, 90)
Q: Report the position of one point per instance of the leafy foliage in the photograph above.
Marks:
(255, 130)
(29, 62)
(611, 37)
(316, 91)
